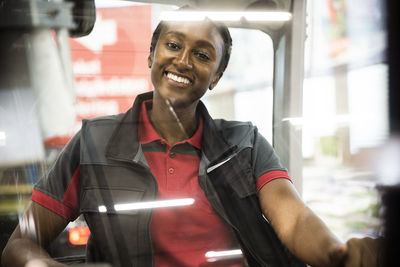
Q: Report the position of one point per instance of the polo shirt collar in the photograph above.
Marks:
(147, 133)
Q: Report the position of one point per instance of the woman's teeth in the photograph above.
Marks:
(177, 78)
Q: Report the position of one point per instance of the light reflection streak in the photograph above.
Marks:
(2, 138)
(213, 256)
(301, 121)
(27, 226)
(150, 204)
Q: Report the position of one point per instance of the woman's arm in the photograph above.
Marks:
(36, 229)
(298, 227)
(307, 236)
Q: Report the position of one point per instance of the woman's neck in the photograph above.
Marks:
(172, 124)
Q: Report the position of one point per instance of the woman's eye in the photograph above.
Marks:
(202, 56)
(173, 46)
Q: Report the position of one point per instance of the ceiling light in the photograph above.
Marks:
(259, 16)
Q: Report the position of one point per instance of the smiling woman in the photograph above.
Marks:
(192, 60)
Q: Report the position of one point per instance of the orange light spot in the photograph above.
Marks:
(79, 235)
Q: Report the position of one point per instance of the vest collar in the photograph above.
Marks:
(124, 144)
(215, 146)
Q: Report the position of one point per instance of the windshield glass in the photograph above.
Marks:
(170, 171)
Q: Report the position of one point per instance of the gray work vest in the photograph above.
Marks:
(114, 170)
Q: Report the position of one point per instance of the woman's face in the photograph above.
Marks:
(185, 61)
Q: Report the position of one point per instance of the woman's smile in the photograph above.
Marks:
(178, 80)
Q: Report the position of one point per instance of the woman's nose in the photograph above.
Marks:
(183, 60)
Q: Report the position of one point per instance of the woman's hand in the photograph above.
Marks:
(357, 252)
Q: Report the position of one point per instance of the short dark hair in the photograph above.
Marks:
(221, 28)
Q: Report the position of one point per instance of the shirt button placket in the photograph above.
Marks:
(171, 170)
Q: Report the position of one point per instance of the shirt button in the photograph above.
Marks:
(172, 155)
(171, 170)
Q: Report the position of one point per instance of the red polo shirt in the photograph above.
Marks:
(181, 235)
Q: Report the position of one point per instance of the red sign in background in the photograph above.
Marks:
(110, 64)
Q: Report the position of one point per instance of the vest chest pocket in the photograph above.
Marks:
(111, 200)
(236, 174)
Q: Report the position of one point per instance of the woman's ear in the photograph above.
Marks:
(150, 58)
(216, 80)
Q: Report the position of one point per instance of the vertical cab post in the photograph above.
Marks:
(288, 92)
